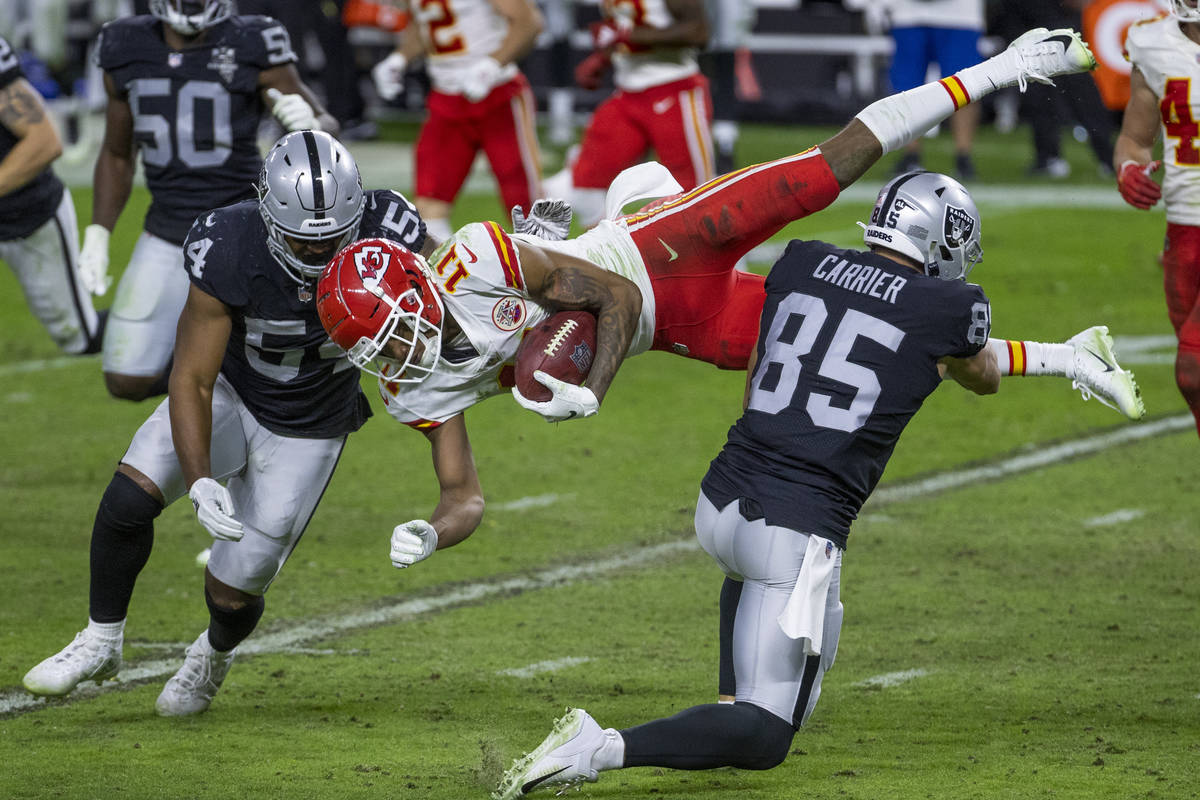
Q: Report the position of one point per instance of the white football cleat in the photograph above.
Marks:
(1042, 54)
(87, 657)
(1096, 373)
(191, 689)
(562, 760)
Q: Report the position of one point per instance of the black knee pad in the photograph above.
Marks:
(126, 506)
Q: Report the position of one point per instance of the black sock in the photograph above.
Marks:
(740, 735)
(731, 592)
(228, 627)
(96, 340)
(122, 537)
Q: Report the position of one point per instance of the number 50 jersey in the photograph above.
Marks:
(195, 111)
(848, 350)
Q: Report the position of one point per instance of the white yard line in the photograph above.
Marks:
(1115, 518)
(535, 501)
(890, 679)
(42, 364)
(298, 635)
(539, 667)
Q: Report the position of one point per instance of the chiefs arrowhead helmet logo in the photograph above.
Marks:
(371, 262)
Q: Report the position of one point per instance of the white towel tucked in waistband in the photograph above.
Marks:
(804, 615)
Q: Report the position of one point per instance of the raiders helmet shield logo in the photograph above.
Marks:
(371, 262)
(224, 62)
(957, 226)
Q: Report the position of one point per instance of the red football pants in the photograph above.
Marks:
(673, 119)
(1181, 281)
(502, 125)
(691, 242)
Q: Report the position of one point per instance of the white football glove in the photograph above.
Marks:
(214, 509)
(413, 541)
(293, 111)
(389, 76)
(548, 219)
(480, 77)
(569, 401)
(93, 260)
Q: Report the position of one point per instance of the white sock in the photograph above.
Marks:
(902, 118)
(1033, 358)
(110, 631)
(438, 228)
(611, 754)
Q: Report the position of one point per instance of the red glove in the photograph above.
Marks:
(607, 34)
(1136, 186)
(591, 70)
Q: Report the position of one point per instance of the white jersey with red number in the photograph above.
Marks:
(1170, 63)
(478, 272)
(458, 33)
(635, 70)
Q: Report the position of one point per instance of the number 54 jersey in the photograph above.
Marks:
(1170, 63)
(195, 111)
(848, 350)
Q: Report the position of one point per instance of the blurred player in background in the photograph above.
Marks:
(1164, 97)
(259, 396)
(662, 101)
(480, 100)
(186, 88)
(945, 32)
(441, 335)
(39, 238)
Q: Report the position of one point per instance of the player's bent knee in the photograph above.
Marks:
(126, 506)
(1187, 373)
(768, 741)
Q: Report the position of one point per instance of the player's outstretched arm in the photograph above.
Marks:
(978, 373)
(23, 113)
(202, 334)
(460, 498)
(564, 282)
(112, 177)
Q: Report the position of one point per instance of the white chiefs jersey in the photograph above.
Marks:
(478, 272)
(638, 70)
(1170, 63)
(457, 34)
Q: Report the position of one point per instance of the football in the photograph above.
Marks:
(562, 345)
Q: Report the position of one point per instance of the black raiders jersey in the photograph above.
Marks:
(279, 359)
(847, 352)
(195, 111)
(27, 208)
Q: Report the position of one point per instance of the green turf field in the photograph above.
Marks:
(1021, 595)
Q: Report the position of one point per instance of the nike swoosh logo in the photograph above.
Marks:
(670, 251)
(536, 783)
(474, 257)
(1107, 366)
(1061, 38)
(662, 106)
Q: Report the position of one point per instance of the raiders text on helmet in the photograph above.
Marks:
(930, 218)
(376, 294)
(189, 17)
(311, 198)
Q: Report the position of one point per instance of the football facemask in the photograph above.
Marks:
(930, 218)
(378, 302)
(311, 200)
(1184, 11)
(190, 17)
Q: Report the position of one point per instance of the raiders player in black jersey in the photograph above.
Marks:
(258, 396)
(39, 239)
(186, 85)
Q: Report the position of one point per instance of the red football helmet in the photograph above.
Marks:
(378, 302)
